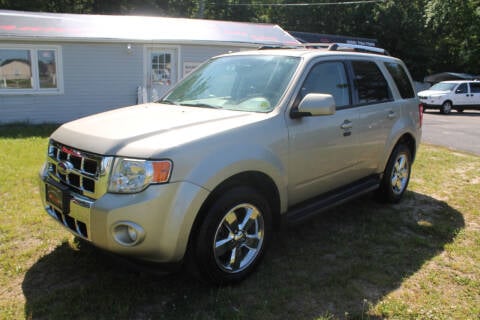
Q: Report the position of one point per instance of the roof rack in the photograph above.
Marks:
(332, 47)
(278, 46)
(346, 47)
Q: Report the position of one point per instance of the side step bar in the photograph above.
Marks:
(307, 209)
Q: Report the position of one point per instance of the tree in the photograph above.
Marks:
(455, 26)
(400, 28)
(429, 35)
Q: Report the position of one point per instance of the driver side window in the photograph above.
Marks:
(328, 78)
(462, 89)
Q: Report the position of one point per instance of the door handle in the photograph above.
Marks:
(392, 114)
(347, 124)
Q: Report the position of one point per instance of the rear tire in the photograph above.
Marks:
(396, 176)
(233, 236)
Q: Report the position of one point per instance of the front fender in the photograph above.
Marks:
(215, 168)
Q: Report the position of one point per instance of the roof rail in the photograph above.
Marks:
(330, 47)
(346, 47)
(277, 46)
(358, 48)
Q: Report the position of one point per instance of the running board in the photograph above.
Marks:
(309, 208)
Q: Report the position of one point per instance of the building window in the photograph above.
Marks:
(33, 70)
(161, 68)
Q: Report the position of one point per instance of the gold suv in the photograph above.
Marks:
(244, 143)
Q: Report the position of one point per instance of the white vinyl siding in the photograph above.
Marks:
(96, 77)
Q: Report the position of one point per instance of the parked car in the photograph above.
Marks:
(448, 95)
(246, 142)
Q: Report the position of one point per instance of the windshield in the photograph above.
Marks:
(443, 86)
(243, 83)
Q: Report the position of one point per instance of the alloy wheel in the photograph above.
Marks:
(239, 238)
(400, 174)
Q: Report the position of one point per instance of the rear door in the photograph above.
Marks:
(475, 94)
(378, 112)
(322, 149)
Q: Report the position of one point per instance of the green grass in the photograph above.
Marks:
(419, 259)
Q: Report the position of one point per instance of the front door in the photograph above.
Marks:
(161, 71)
(323, 149)
(462, 96)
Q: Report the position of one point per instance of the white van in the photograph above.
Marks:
(448, 95)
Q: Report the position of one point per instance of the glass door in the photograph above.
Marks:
(161, 72)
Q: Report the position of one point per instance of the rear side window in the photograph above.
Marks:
(401, 79)
(475, 87)
(330, 78)
(370, 84)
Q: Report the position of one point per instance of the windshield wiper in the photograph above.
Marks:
(200, 105)
(167, 102)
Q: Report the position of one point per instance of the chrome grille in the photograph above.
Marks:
(84, 172)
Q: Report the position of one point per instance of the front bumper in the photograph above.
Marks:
(164, 215)
(431, 104)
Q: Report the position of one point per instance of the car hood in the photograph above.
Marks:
(433, 92)
(147, 130)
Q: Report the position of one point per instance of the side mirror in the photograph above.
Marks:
(315, 104)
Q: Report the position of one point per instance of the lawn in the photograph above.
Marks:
(419, 259)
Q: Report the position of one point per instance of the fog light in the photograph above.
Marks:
(128, 233)
(132, 233)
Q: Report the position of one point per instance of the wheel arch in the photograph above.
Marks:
(410, 142)
(406, 138)
(254, 179)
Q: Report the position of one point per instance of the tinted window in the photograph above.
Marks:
(329, 78)
(462, 88)
(475, 87)
(401, 79)
(370, 83)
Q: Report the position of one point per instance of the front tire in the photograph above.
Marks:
(446, 107)
(233, 236)
(397, 175)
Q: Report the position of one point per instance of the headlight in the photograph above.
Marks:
(133, 175)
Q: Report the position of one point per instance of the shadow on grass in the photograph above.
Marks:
(26, 130)
(338, 262)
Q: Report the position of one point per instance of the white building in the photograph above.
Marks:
(59, 67)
